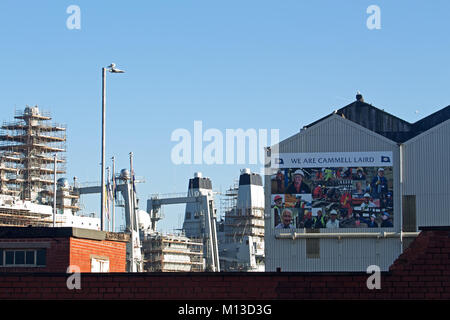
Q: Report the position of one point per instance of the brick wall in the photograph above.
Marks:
(57, 255)
(81, 251)
(421, 272)
(74, 251)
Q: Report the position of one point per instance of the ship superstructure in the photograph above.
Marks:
(172, 253)
(27, 150)
(31, 157)
(242, 240)
(199, 224)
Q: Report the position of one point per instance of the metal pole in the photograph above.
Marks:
(400, 218)
(133, 200)
(54, 190)
(102, 184)
(108, 203)
(113, 198)
(132, 213)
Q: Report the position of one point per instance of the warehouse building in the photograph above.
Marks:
(351, 189)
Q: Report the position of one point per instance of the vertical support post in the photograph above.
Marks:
(132, 216)
(132, 198)
(54, 190)
(107, 201)
(400, 228)
(102, 208)
(113, 197)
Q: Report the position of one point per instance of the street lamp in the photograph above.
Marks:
(111, 68)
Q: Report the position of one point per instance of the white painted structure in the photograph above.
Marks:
(242, 247)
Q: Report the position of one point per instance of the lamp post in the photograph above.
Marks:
(111, 68)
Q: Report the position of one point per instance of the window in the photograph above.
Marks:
(188, 215)
(30, 257)
(99, 264)
(19, 257)
(9, 257)
(22, 257)
(41, 257)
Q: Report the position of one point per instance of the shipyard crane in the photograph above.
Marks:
(207, 213)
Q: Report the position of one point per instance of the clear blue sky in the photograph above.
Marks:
(232, 64)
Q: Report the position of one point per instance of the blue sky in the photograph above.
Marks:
(231, 64)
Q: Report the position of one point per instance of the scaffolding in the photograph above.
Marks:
(23, 218)
(172, 253)
(27, 149)
(240, 224)
(228, 200)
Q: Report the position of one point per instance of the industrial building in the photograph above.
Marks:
(375, 225)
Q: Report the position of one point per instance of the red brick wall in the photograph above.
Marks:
(57, 259)
(74, 251)
(82, 249)
(421, 272)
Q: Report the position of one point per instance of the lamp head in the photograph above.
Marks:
(113, 69)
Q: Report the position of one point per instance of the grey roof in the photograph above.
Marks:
(386, 124)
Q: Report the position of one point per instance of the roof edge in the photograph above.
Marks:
(60, 232)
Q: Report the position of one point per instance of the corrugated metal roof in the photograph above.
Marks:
(386, 124)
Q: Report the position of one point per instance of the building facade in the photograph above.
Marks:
(416, 190)
(46, 249)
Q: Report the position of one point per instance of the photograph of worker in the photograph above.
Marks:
(298, 200)
(277, 205)
(359, 196)
(278, 182)
(356, 194)
(296, 182)
(288, 219)
(359, 188)
(305, 219)
(300, 204)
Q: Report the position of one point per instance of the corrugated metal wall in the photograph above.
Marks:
(426, 175)
(335, 255)
(335, 134)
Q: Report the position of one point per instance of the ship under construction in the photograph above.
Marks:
(32, 157)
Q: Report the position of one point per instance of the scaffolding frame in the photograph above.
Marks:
(187, 255)
(27, 149)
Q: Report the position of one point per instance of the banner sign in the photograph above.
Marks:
(332, 190)
(338, 159)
